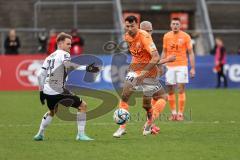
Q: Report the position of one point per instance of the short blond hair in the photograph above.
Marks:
(62, 36)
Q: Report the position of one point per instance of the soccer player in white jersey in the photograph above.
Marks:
(51, 85)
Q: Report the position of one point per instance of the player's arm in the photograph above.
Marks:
(170, 58)
(72, 66)
(191, 57)
(150, 47)
(153, 62)
(192, 63)
(42, 75)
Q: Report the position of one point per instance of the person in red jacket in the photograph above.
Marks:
(220, 61)
(77, 43)
(52, 43)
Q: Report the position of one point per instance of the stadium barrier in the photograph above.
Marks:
(20, 72)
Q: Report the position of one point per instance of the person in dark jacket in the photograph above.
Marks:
(12, 43)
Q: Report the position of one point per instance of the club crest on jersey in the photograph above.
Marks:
(138, 45)
(66, 57)
(180, 41)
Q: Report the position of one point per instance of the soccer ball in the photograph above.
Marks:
(121, 116)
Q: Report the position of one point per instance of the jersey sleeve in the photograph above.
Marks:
(66, 57)
(188, 42)
(164, 41)
(45, 65)
(148, 44)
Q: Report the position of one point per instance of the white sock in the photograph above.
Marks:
(81, 122)
(174, 112)
(46, 120)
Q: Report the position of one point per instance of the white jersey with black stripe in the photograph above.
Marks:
(55, 72)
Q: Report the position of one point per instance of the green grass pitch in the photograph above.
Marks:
(211, 131)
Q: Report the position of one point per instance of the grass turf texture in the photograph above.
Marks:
(213, 132)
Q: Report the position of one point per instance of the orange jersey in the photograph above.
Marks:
(140, 48)
(177, 44)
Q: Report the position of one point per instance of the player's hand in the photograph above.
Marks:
(171, 58)
(192, 72)
(92, 68)
(42, 97)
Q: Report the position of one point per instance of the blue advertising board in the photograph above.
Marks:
(115, 66)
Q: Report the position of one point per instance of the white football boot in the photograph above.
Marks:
(119, 132)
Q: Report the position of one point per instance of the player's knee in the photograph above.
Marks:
(51, 113)
(181, 89)
(170, 90)
(147, 105)
(125, 98)
(83, 107)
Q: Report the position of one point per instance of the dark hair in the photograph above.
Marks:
(62, 36)
(176, 19)
(131, 19)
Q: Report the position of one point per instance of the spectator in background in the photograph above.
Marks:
(220, 61)
(12, 43)
(77, 43)
(238, 51)
(52, 44)
(42, 39)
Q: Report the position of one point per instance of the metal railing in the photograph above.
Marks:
(224, 2)
(39, 4)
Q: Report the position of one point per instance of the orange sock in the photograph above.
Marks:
(158, 108)
(181, 102)
(172, 103)
(123, 105)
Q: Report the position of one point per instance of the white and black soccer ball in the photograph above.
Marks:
(121, 116)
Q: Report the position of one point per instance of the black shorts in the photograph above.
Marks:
(67, 100)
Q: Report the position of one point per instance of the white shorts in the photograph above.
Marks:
(175, 75)
(148, 87)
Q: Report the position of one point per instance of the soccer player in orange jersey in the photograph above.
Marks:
(142, 71)
(177, 42)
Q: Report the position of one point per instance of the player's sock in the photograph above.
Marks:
(181, 102)
(172, 103)
(81, 122)
(123, 105)
(149, 115)
(158, 108)
(46, 120)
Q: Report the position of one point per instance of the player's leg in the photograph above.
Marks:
(182, 79)
(70, 100)
(48, 116)
(181, 101)
(172, 102)
(126, 94)
(171, 82)
(81, 120)
(158, 103)
(148, 107)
